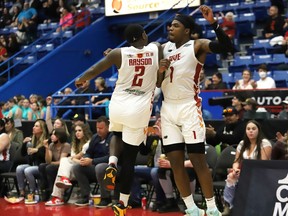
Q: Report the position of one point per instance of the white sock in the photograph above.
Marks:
(113, 160)
(124, 198)
(210, 202)
(189, 201)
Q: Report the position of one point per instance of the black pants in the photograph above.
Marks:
(84, 176)
(48, 173)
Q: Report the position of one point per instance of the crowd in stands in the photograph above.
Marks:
(20, 19)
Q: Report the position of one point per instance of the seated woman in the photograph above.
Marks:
(66, 20)
(35, 112)
(254, 147)
(34, 149)
(80, 144)
(246, 82)
(54, 151)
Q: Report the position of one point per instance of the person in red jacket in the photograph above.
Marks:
(83, 18)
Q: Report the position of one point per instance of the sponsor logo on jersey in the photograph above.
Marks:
(134, 92)
(140, 55)
(130, 56)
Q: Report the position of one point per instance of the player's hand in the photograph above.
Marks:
(207, 13)
(79, 83)
(107, 51)
(164, 65)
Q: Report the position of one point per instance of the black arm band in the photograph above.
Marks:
(223, 44)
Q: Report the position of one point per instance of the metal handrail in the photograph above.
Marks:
(123, 43)
(30, 48)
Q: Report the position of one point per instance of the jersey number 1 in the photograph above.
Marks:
(171, 74)
(139, 72)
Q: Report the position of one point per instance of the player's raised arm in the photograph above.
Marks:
(223, 44)
(112, 58)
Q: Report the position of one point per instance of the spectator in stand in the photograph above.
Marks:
(15, 135)
(42, 108)
(252, 112)
(5, 108)
(68, 91)
(15, 12)
(3, 54)
(275, 24)
(15, 111)
(280, 148)
(284, 112)
(12, 46)
(83, 18)
(49, 11)
(77, 100)
(254, 146)
(33, 98)
(217, 82)
(237, 103)
(100, 88)
(58, 123)
(264, 82)
(246, 82)
(202, 79)
(230, 133)
(35, 112)
(6, 18)
(25, 109)
(66, 20)
(54, 151)
(228, 25)
(80, 144)
(3, 40)
(18, 4)
(27, 24)
(32, 148)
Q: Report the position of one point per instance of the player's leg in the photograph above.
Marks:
(115, 150)
(197, 156)
(132, 138)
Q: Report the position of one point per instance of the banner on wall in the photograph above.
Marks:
(262, 189)
(124, 7)
(269, 99)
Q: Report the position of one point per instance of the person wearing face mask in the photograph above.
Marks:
(264, 82)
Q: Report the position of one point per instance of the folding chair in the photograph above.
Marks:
(224, 162)
(8, 179)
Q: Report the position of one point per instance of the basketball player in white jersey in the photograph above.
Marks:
(182, 122)
(131, 103)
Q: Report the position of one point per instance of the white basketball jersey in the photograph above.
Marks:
(181, 80)
(132, 98)
(138, 71)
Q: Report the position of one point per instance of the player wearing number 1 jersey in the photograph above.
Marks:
(181, 118)
(131, 103)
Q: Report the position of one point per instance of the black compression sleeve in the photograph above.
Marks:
(223, 44)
